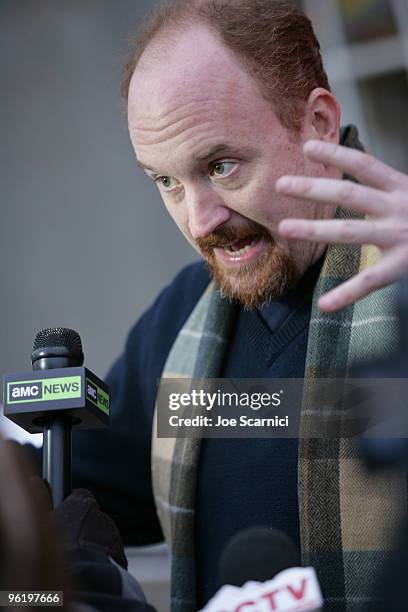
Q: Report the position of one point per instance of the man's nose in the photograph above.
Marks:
(206, 212)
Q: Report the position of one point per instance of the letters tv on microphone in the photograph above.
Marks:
(29, 397)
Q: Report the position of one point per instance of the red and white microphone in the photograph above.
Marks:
(260, 570)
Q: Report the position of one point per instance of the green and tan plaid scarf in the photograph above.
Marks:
(347, 515)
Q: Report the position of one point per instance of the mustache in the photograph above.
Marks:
(227, 234)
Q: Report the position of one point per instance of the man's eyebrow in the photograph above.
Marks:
(144, 166)
(216, 150)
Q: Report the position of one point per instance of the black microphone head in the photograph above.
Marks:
(57, 347)
(257, 554)
(58, 336)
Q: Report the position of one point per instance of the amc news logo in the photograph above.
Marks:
(25, 391)
(52, 389)
(97, 396)
(92, 391)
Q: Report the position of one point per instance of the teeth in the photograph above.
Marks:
(242, 251)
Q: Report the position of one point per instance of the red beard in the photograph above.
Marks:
(269, 278)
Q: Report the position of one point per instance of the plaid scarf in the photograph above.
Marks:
(347, 515)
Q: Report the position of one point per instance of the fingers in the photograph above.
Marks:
(363, 167)
(387, 271)
(383, 197)
(344, 193)
(348, 231)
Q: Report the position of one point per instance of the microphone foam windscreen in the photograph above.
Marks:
(258, 554)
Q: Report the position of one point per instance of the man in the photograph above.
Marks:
(229, 107)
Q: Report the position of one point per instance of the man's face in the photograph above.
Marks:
(215, 148)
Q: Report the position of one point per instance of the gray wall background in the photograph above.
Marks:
(85, 240)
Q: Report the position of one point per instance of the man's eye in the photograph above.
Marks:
(166, 182)
(222, 169)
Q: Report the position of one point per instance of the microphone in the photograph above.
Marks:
(260, 570)
(257, 553)
(57, 348)
(58, 396)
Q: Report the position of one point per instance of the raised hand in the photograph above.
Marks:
(382, 195)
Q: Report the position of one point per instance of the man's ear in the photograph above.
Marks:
(322, 117)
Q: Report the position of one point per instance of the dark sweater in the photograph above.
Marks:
(115, 464)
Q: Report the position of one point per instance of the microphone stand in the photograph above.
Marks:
(57, 452)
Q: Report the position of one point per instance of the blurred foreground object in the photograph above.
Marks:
(31, 557)
(89, 568)
(86, 526)
(95, 557)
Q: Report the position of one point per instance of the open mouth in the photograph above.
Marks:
(241, 251)
(240, 247)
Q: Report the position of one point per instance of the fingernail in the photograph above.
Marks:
(311, 146)
(283, 183)
(291, 230)
(328, 303)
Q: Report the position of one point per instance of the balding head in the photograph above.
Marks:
(273, 39)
